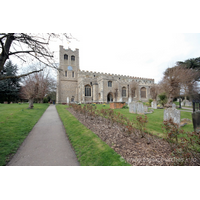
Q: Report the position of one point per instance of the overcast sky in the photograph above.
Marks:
(136, 54)
(137, 38)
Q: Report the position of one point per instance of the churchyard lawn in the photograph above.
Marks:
(155, 120)
(16, 121)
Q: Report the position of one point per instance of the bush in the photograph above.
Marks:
(163, 98)
(45, 100)
(125, 107)
(150, 100)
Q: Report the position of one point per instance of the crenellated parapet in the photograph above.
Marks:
(92, 74)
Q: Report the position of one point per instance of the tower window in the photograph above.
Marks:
(123, 92)
(65, 73)
(65, 57)
(73, 58)
(72, 74)
(109, 83)
(87, 90)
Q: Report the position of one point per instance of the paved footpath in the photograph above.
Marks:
(46, 145)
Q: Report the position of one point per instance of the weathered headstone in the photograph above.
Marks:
(182, 103)
(188, 103)
(145, 108)
(173, 105)
(172, 113)
(136, 107)
(132, 107)
(154, 104)
(67, 100)
(140, 108)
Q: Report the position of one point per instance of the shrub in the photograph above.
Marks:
(163, 98)
(150, 100)
(180, 142)
(45, 100)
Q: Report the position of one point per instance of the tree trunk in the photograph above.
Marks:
(169, 102)
(31, 103)
(5, 51)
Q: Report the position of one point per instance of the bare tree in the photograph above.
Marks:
(25, 46)
(35, 87)
(116, 88)
(175, 78)
(154, 91)
(133, 89)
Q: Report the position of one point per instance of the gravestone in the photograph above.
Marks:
(172, 113)
(67, 100)
(145, 108)
(182, 103)
(154, 104)
(140, 108)
(173, 105)
(132, 107)
(188, 103)
(136, 107)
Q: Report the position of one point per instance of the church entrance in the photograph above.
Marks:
(110, 97)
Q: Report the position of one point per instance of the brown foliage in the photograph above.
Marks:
(174, 79)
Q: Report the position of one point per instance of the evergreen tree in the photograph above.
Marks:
(9, 88)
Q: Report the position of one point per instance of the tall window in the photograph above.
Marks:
(72, 74)
(73, 58)
(143, 92)
(109, 83)
(87, 90)
(65, 57)
(65, 73)
(123, 92)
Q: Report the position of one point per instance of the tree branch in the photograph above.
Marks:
(7, 77)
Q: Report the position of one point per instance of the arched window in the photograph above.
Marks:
(123, 92)
(109, 83)
(65, 57)
(73, 58)
(87, 90)
(65, 73)
(73, 74)
(143, 92)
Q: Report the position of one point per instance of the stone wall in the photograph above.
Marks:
(68, 86)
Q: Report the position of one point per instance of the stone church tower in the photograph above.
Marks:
(67, 79)
(75, 85)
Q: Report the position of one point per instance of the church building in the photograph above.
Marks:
(75, 85)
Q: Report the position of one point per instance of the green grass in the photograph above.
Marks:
(155, 120)
(89, 148)
(16, 121)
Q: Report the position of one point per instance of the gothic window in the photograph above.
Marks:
(123, 92)
(65, 73)
(72, 74)
(87, 90)
(109, 83)
(65, 57)
(73, 58)
(143, 92)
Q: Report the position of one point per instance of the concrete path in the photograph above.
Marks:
(46, 145)
(186, 109)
